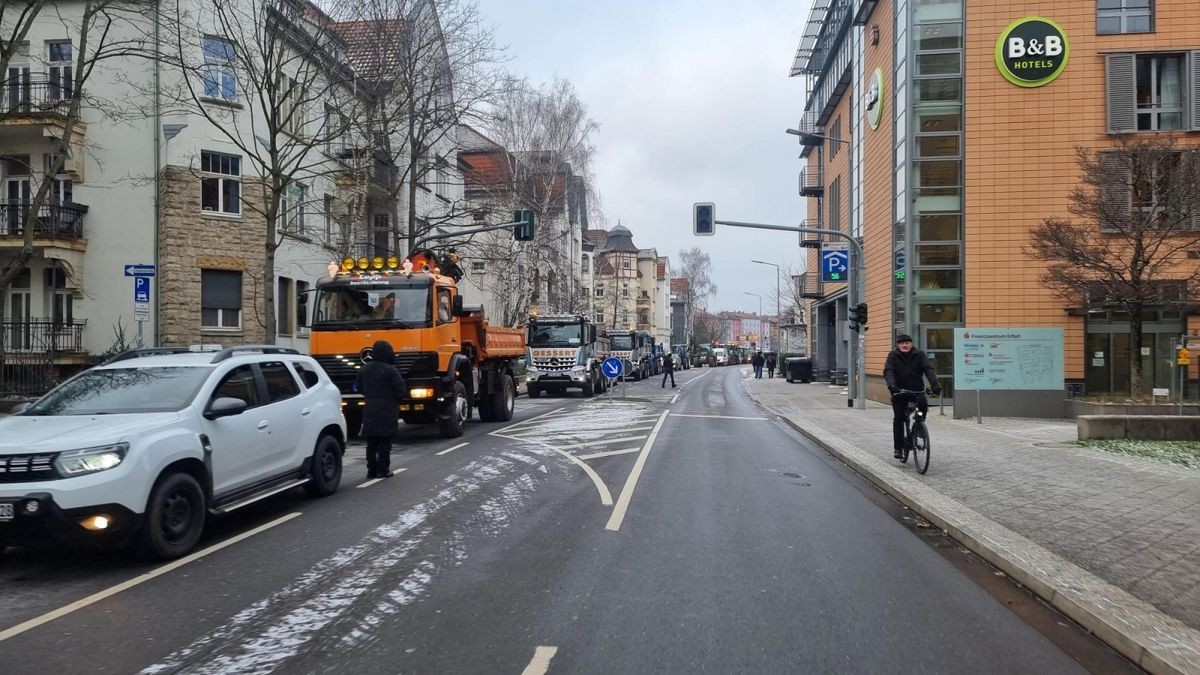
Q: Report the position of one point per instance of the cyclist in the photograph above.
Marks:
(907, 368)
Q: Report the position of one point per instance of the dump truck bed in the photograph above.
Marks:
(496, 341)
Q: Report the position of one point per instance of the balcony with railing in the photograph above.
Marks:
(811, 182)
(52, 221)
(36, 354)
(32, 99)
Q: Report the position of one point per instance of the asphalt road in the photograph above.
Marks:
(672, 531)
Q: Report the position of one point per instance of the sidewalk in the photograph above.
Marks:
(1112, 541)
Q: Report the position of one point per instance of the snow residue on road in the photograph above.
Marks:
(591, 421)
(373, 579)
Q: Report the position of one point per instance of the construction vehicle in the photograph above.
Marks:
(654, 353)
(564, 353)
(453, 362)
(631, 348)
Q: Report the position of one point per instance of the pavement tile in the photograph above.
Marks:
(1111, 540)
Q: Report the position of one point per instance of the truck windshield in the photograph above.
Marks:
(622, 342)
(342, 306)
(542, 335)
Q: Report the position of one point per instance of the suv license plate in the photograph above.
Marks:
(6, 512)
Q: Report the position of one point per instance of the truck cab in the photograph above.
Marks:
(563, 353)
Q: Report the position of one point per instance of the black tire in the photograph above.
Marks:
(451, 425)
(325, 472)
(533, 391)
(920, 450)
(174, 519)
(354, 418)
(501, 404)
(589, 387)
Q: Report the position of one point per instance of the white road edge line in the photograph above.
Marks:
(541, 661)
(723, 417)
(439, 454)
(618, 514)
(605, 495)
(126, 585)
(610, 453)
(369, 483)
(674, 399)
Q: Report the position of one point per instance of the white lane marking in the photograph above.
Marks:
(605, 495)
(607, 441)
(522, 422)
(674, 399)
(541, 661)
(525, 434)
(618, 514)
(439, 454)
(722, 417)
(610, 453)
(695, 378)
(141, 579)
(369, 483)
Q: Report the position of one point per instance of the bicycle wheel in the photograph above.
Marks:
(920, 443)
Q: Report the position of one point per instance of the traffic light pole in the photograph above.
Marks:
(856, 293)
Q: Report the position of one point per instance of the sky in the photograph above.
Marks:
(692, 98)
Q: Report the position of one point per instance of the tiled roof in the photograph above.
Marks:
(598, 237)
(679, 285)
(662, 267)
(471, 139)
(372, 47)
(488, 169)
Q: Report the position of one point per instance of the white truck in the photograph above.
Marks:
(564, 352)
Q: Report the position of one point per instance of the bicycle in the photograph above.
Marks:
(916, 434)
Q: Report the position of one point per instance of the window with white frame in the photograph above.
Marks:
(220, 183)
(598, 317)
(1159, 80)
(59, 64)
(599, 291)
(219, 73)
(1124, 16)
(478, 266)
(291, 209)
(220, 299)
(627, 264)
(292, 107)
(624, 292)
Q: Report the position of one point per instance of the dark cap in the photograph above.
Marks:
(903, 337)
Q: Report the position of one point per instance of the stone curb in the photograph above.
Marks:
(1145, 635)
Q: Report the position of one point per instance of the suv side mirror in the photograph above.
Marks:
(457, 308)
(225, 406)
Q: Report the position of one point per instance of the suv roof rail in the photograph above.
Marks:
(265, 349)
(146, 351)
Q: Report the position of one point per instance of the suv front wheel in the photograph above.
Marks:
(175, 517)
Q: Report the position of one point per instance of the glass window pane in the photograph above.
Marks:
(940, 312)
(208, 317)
(1137, 4)
(209, 201)
(939, 338)
(281, 384)
(937, 10)
(231, 318)
(938, 64)
(938, 174)
(1108, 25)
(938, 227)
(948, 89)
(1108, 4)
(943, 363)
(932, 255)
(937, 146)
(1170, 121)
(940, 36)
(1137, 24)
(937, 280)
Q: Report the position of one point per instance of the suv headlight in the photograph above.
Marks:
(90, 460)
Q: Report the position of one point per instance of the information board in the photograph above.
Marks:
(1008, 359)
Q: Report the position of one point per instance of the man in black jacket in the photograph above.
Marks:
(382, 386)
(907, 368)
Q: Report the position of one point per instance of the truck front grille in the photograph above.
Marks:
(344, 371)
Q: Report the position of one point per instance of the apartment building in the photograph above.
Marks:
(942, 133)
(632, 288)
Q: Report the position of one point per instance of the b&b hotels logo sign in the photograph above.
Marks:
(1032, 51)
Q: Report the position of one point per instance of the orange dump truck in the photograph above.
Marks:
(454, 364)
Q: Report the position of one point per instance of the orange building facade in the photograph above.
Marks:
(940, 133)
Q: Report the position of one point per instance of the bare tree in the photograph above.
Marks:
(695, 267)
(100, 31)
(788, 298)
(267, 80)
(427, 67)
(1137, 231)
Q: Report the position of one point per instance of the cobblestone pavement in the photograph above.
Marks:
(1134, 523)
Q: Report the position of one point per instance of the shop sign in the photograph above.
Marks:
(874, 99)
(1015, 359)
(1032, 51)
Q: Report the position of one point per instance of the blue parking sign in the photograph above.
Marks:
(141, 289)
(835, 264)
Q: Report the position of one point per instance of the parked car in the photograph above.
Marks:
(144, 448)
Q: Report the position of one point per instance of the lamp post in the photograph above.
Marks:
(777, 315)
(759, 304)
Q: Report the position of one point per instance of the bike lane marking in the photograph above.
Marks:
(618, 514)
(141, 579)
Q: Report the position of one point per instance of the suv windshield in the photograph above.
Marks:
(112, 391)
(622, 342)
(406, 305)
(541, 335)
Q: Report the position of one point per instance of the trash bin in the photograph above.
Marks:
(799, 369)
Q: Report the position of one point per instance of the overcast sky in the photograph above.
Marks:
(692, 98)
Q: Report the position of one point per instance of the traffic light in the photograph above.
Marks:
(704, 219)
(858, 316)
(524, 225)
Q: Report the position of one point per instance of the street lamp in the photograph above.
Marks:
(777, 315)
(759, 303)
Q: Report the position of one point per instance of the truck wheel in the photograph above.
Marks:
(452, 425)
(533, 391)
(589, 387)
(500, 405)
(325, 472)
(175, 515)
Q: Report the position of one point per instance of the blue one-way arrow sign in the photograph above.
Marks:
(139, 270)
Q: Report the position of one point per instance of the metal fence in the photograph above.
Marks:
(29, 96)
(28, 351)
(53, 220)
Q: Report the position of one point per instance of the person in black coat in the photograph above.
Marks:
(668, 370)
(772, 361)
(382, 386)
(907, 368)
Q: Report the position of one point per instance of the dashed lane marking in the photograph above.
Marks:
(674, 399)
(141, 579)
(372, 481)
(451, 449)
(541, 661)
(610, 453)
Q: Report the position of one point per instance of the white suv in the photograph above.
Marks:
(146, 446)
